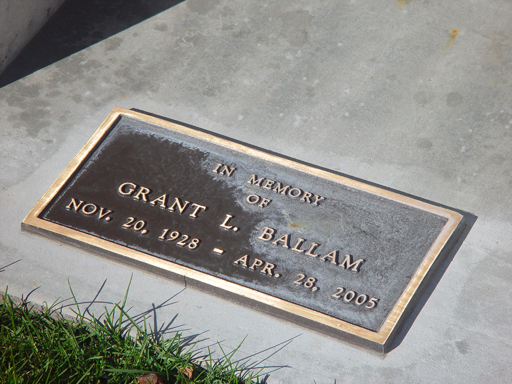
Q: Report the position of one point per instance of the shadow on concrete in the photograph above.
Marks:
(4, 267)
(79, 24)
(213, 354)
(435, 275)
(158, 331)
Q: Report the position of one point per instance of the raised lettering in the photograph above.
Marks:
(253, 199)
(227, 170)
(226, 221)
(317, 199)
(332, 255)
(181, 207)
(102, 214)
(283, 239)
(269, 183)
(161, 201)
(255, 181)
(257, 263)
(122, 190)
(312, 249)
(306, 197)
(296, 247)
(264, 202)
(348, 264)
(143, 191)
(197, 210)
(295, 194)
(88, 211)
(242, 261)
(267, 234)
(76, 206)
(280, 189)
(217, 169)
(268, 268)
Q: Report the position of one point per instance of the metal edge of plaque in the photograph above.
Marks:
(379, 341)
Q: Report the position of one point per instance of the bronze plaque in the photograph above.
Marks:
(335, 254)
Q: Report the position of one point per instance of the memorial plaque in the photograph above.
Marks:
(335, 254)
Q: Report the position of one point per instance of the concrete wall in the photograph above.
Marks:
(20, 20)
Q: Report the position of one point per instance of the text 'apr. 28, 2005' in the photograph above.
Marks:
(329, 252)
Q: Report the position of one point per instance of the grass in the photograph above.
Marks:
(41, 346)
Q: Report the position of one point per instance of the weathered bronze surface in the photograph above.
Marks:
(339, 255)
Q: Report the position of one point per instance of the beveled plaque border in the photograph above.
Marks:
(379, 341)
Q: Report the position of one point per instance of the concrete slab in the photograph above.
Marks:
(413, 95)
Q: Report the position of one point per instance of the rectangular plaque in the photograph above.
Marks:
(338, 255)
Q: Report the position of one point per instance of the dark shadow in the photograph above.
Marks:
(467, 223)
(247, 364)
(158, 331)
(4, 267)
(95, 297)
(263, 356)
(79, 24)
(25, 299)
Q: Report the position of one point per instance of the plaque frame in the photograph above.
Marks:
(379, 341)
